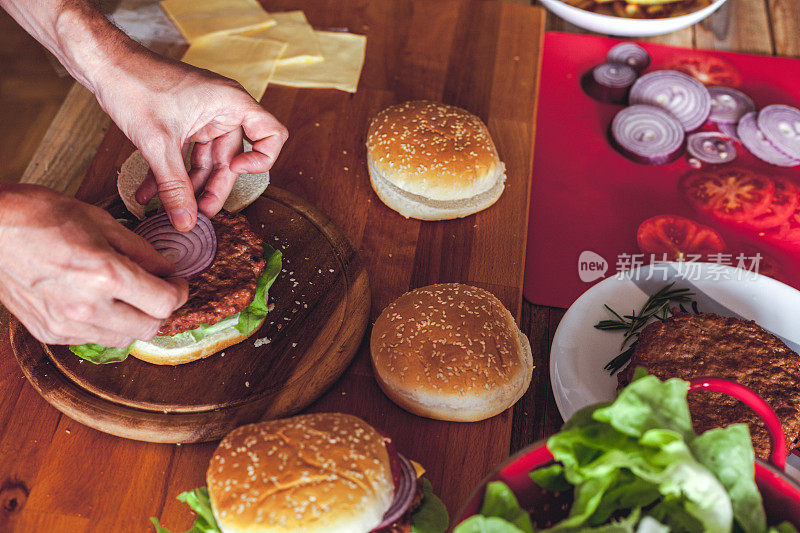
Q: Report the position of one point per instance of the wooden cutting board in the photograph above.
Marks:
(321, 308)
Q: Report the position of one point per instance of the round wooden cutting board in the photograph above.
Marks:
(322, 302)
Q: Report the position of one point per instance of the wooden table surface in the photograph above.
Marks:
(56, 475)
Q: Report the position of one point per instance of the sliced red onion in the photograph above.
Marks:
(683, 96)
(630, 54)
(728, 105)
(711, 147)
(728, 130)
(780, 124)
(647, 134)
(191, 251)
(609, 82)
(754, 140)
(404, 491)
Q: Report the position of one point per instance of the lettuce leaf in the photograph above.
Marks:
(245, 321)
(431, 515)
(99, 354)
(252, 315)
(486, 524)
(200, 503)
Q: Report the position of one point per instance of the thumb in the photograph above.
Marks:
(174, 186)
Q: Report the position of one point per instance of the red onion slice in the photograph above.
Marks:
(404, 491)
(647, 134)
(728, 105)
(630, 54)
(754, 140)
(780, 124)
(191, 251)
(609, 82)
(683, 96)
(711, 147)
(728, 130)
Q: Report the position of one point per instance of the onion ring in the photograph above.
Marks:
(728, 130)
(647, 134)
(683, 96)
(191, 251)
(711, 147)
(728, 105)
(754, 140)
(404, 491)
(780, 125)
(609, 82)
(630, 54)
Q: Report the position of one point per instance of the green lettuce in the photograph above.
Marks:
(245, 321)
(640, 453)
(200, 503)
(252, 315)
(431, 515)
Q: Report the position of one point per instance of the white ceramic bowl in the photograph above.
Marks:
(627, 27)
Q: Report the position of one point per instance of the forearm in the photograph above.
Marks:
(83, 40)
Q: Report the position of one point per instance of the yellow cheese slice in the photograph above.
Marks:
(201, 18)
(418, 468)
(293, 29)
(344, 57)
(249, 61)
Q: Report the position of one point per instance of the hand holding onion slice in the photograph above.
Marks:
(404, 491)
(711, 147)
(630, 54)
(647, 134)
(191, 251)
(682, 96)
(609, 82)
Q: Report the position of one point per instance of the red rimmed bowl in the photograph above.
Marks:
(780, 493)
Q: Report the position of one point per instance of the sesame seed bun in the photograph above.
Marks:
(433, 161)
(323, 472)
(450, 352)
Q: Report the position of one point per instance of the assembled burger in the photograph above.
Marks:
(229, 270)
(323, 472)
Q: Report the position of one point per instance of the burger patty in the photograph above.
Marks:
(707, 345)
(228, 285)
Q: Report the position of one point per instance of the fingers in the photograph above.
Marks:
(137, 249)
(148, 189)
(174, 186)
(155, 296)
(221, 181)
(268, 136)
(125, 321)
(202, 164)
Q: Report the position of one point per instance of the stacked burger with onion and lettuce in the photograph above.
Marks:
(229, 270)
(322, 472)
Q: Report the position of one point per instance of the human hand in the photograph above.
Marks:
(72, 274)
(175, 104)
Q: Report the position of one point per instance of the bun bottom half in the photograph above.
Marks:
(471, 407)
(166, 351)
(422, 208)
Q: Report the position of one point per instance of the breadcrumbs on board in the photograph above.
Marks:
(247, 384)
(261, 342)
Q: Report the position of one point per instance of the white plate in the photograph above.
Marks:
(580, 351)
(628, 27)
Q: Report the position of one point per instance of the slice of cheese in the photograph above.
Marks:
(249, 61)
(293, 29)
(200, 18)
(344, 57)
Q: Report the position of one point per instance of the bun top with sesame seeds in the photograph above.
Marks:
(451, 352)
(434, 150)
(316, 472)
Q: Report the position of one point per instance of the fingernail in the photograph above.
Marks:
(181, 219)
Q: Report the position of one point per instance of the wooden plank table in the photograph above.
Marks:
(56, 475)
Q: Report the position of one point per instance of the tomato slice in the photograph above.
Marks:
(784, 204)
(786, 233)
(677, 237)
(729, 194)
(707, 69)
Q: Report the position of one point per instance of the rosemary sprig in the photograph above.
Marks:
(657, 307)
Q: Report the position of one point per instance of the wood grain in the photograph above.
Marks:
(321, 306)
